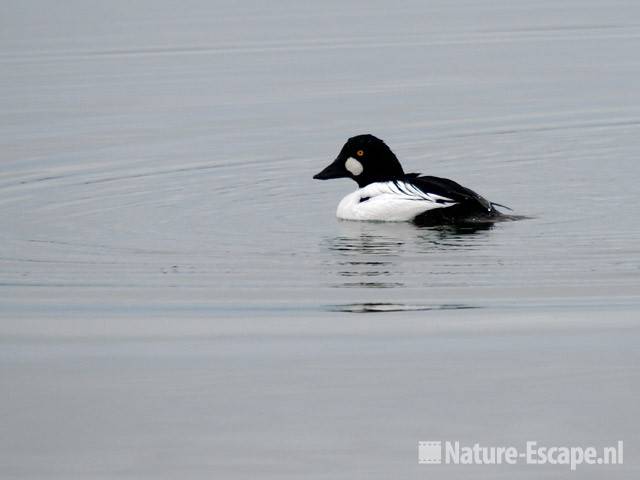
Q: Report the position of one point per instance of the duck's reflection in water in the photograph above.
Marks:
(381, 307)
(366, 255)
(393, 256)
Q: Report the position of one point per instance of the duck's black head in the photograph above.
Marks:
(366, 159)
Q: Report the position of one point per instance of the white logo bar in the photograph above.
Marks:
(453, 453)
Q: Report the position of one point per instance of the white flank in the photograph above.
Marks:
(389, 202)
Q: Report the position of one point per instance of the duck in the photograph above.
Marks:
(387, 194)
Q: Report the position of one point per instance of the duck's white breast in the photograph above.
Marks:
(389, 202)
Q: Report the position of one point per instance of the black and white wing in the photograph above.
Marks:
(454, 191)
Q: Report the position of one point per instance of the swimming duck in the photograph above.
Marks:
(386, 193)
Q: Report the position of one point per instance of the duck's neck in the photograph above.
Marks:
(365, 180)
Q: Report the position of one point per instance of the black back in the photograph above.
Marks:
(448, 188)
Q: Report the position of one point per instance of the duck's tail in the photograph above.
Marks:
(494, 204)
(506, 217)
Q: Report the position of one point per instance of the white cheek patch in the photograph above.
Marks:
(354, 166)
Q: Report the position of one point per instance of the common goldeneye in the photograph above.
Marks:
(386, 193)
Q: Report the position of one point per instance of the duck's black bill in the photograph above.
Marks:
(335, 170)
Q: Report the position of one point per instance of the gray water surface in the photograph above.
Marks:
(177, 298)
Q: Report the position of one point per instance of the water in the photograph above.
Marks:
(178, 298)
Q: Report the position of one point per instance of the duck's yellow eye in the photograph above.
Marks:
(360, 153)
